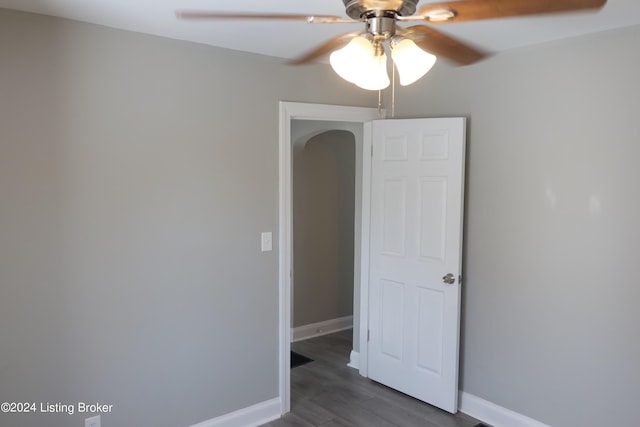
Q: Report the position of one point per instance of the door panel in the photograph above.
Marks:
(432, 218)
(391, 324)
(430, 326)
(394, 216)
(416, 236)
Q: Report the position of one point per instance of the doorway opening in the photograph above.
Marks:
(323, 228)
(318, 119)
(411, 175)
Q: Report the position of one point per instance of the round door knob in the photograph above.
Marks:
(449, 279)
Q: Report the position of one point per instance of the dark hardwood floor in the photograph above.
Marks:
(327, 393)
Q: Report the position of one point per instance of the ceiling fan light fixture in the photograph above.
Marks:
(348, 61)
(411, 61)
(358, 63)
(375, 76)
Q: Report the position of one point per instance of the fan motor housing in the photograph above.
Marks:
(357, 8)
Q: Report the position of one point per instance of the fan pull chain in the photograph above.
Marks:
(380, 103)
(393, 92)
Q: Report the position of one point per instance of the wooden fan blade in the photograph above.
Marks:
(325, 48)
(474, 10)
(202, 15)
(442, 45)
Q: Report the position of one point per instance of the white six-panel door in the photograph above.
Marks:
(416, 240)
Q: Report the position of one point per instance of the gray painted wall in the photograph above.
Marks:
(133, 196)
(323, 227)
(552, 236)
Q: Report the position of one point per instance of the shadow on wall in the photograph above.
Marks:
(323, 227)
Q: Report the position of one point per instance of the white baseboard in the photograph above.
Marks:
(321, 328)
(354, 360)
(492, 414)
(252, 416)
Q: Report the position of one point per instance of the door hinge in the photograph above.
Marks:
(368, 335)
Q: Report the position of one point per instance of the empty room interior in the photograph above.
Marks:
(144, 226)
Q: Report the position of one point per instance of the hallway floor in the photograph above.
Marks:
(327, 393)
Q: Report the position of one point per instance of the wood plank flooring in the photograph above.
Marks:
(327, 393)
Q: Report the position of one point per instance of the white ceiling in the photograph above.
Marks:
(290, 39)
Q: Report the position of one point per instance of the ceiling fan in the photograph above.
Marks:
(360, 57)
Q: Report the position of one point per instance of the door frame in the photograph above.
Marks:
(302, 111)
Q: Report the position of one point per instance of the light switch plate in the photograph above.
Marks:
(266, 239)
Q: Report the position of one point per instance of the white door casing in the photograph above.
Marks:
(333, 113)
(288, 112)
(416, 240)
